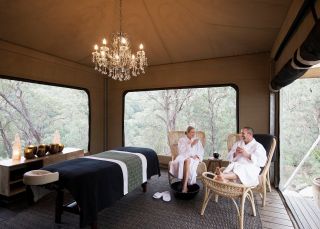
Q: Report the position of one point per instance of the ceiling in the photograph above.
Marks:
(171, 30)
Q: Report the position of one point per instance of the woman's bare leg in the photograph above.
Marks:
(186, 171)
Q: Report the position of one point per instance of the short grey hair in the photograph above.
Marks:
(249, 129)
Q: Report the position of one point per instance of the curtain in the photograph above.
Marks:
(307, 55)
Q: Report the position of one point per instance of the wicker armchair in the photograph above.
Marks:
(269, 143)
(229, 190)
(174, 137)
(232, 138)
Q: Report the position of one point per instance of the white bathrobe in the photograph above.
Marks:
(247, 170)
(185, 150)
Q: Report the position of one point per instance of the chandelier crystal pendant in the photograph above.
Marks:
(117, 61)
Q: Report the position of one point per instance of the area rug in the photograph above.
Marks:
(140, 210)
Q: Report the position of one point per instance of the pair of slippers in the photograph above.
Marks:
(164, 195)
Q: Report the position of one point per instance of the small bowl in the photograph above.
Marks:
(28, 153)
(33, 148)
(216, 155)
(42, 150)
(54, 148)
(61, 147)
(193, 190)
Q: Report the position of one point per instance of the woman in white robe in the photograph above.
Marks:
(190, 153)
(246, 157)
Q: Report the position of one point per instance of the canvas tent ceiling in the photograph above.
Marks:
(172, 31)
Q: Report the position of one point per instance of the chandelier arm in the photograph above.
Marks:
(120, 17)
(120, 8)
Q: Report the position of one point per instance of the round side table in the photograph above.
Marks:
(213, 162)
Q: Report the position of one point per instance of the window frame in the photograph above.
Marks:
(6, 77)
(274, 129)
(234, 86)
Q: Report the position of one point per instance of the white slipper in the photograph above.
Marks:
(166, 196)
(158, 195)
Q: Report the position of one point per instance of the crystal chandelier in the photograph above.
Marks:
(117, 61)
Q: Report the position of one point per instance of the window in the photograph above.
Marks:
(149, 115)
(35, 111)
(299, 128)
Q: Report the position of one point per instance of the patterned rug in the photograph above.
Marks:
(140, 210)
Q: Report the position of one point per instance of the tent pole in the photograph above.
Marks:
(300, 164)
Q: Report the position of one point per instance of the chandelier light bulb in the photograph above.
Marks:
(104, 41)
(141, 46)
(96, 47)
(123, 40)
(133, 57)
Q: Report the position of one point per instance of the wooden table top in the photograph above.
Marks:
(10, 162)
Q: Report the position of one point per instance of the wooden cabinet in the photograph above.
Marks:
(11, 172)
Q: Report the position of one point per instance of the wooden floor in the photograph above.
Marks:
(304, 210)
(274, 215)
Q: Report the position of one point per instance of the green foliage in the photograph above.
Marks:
(299, 128)
(150, 115)
(45, 109)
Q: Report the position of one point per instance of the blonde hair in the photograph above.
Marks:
(189, 129)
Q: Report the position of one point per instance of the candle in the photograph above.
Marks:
(16, 155)
(56, 138)
(16, 148)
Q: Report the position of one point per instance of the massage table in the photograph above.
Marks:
(98, 181)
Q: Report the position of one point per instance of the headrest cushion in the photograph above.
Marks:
(40, 177)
